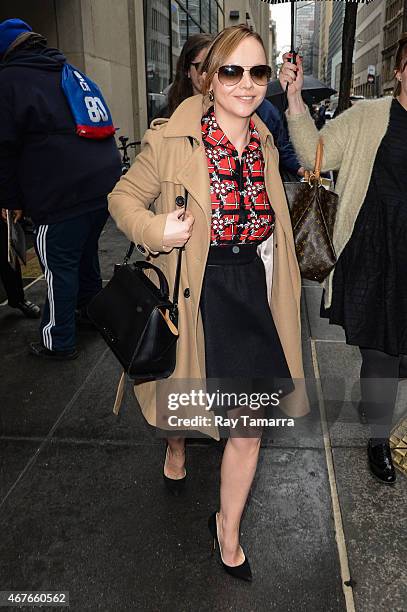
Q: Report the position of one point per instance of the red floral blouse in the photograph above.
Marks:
(241, 211)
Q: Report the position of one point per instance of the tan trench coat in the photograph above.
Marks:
(139, 203)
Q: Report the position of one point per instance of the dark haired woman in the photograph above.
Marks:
(239, 301)
(367, 291)
(188, 80)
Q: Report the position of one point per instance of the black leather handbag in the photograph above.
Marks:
(137, 319)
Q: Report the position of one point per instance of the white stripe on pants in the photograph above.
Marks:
(42, 249)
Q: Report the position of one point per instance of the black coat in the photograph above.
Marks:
(45, 168)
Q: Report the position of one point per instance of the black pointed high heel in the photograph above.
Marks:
(242, 571)
(174, 485)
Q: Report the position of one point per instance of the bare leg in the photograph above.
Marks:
(175, 464)
(238, 468)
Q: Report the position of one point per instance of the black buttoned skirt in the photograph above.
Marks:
(243, 352)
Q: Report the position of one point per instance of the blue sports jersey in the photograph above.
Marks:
(88, 107)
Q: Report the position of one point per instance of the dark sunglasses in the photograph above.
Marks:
(232, 75)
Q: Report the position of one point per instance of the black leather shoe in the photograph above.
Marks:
(37, 349)
(174, 485)
(29, 310)
(242, 571)
(380, 460)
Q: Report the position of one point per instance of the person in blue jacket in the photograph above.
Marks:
(271, 116)
(56, 177)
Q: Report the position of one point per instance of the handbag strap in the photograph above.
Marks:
(318, 159)
(180, 201)
(316, 173)
(129, 253)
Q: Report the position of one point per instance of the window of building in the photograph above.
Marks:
(337, 76)
(366, 35)
(158, 51)
(364, 12)
(194, 7)
(193, 27)
(392, 32)
(167, 26)
(214, 16)
(393, 9)
(368, 58)
(205, 10)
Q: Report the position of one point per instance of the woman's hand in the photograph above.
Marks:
(177, 231)
(292, 74)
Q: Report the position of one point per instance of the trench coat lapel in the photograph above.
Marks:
(193, 175)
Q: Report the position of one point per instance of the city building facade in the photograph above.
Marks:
(305, 29)
(315, 40)
(322, 28)
(273, 44)
(367, 80)
(167, 25)
(256, 15)
(335, 45)
(394, 24)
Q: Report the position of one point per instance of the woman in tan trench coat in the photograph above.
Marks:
(143, 206)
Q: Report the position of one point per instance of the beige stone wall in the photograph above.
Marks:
(259, 18)
(106, 50)
(40, 15)
(68, 20)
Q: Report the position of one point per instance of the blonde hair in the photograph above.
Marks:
(224, 44)
(401, 55)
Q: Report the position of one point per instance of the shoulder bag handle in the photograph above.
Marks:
(181, 202)
(164, 289)
(316, 173)
(318, 159)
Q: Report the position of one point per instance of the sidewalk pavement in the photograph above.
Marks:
(83, 507)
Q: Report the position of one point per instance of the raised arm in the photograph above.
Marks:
(303, 133)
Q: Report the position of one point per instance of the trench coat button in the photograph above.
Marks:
(140, 248)
(187, 293)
